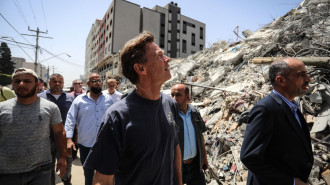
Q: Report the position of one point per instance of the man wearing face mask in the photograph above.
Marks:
(87, 111)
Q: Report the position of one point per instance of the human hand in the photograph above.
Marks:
(61, 165)
(70, 144)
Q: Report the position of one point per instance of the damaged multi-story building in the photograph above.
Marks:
(178, 35)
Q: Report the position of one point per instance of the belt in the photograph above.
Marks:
(41, 167)
(188, 161)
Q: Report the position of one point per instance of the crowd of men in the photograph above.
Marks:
(147, 137)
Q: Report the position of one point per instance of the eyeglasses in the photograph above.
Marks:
(77, 83)
(96, 81)
(111, 86)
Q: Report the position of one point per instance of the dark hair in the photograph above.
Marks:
(278, 68)
(134, 52)
(45, 84)
(186, 90)
(56, 74)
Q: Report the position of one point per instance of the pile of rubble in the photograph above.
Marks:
(226, 84)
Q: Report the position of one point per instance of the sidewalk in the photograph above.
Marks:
(77, 173)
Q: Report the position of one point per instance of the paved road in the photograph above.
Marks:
(77, 173)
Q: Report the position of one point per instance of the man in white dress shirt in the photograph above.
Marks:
(111, 91)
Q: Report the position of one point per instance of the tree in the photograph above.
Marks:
(6, 65)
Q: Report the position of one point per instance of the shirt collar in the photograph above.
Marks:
(188, 111)
(292, 104)
(48, 91)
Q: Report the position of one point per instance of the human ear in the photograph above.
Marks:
(139, 68)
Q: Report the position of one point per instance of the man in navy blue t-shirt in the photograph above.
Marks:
(138, 143)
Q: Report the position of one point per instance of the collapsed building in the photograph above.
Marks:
(227, 79)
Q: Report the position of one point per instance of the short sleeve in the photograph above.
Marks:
(56, 116)
(104, 155)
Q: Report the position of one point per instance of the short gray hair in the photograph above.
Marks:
(278, 68)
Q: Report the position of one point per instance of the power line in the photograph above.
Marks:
(33, 13)
(17, 42)
(24, 51)
(37, 46)
(14, 28)
(60, 57)
(20, 12)
(43, 11)
(17, 46)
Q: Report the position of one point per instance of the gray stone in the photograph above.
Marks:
(323, 119)
(316, 97)
(215, 118)
(247, 33)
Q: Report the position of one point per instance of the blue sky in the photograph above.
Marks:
(69, 21)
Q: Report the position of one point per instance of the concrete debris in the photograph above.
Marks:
(230, 84)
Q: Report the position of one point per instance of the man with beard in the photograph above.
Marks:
(277, 145)
(63, 100)
(138, 144)
(25, 122)
(87, 111)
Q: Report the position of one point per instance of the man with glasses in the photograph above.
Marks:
(77, 86)
(111, 91)
(86, 112)
(25, 122)
(63, 100)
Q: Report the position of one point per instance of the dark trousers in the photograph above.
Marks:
(191, 175)
(38, 176)
(66, 179)
(88, 173)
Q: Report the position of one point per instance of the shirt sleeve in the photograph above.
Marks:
(105, 154)
(56, 116)
(71, 119)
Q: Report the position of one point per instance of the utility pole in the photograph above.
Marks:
(47, 74)
(37, 45)
(53, 69)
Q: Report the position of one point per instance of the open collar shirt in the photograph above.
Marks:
(293, 105)
(190, 148)
(116, 96)
(87, 114)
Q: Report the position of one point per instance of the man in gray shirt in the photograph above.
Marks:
(25, 123)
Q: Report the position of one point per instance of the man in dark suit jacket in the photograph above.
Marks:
(277, 147)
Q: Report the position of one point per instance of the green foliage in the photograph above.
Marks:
(6, 65)
(5, 79)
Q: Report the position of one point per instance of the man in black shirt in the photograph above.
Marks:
(138, 143)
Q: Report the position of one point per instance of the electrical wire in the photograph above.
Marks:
(17, 42)
(15, 45)
(14, 28)
(33, 13)
(21, 12)
(23, 51)
(43, 11)
(61, 58)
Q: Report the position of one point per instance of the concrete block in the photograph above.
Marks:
(316, 97)
(326, 176)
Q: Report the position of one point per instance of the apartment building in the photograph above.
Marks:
(178, 35)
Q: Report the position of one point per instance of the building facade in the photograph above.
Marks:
(178, 35)
(42, 71)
